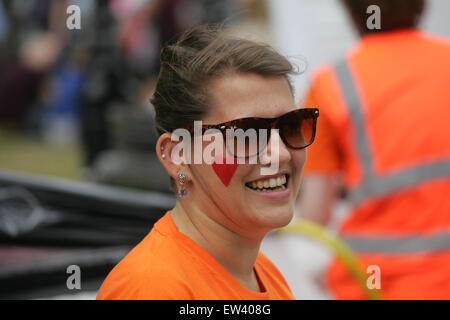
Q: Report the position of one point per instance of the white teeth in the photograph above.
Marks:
(279, 183)
(273, 183)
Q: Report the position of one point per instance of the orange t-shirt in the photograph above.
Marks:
(167, 264)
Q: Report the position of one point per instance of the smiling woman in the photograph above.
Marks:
(207, 246)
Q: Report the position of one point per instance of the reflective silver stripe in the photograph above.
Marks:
(411, 244)
(353, 103)
(372, 185)
(380, 186)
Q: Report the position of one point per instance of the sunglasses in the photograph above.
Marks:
(297, 130)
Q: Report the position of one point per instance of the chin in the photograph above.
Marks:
(274, 218)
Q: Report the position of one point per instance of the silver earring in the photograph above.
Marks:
(163, 156)
(181, 180)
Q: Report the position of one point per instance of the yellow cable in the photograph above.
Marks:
(340, 249)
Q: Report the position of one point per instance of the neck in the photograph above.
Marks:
(236, 253)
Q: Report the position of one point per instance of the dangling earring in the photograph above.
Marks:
(181, 180)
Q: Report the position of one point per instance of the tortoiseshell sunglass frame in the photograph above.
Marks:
(307, 113)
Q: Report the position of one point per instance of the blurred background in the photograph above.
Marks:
(79, 181)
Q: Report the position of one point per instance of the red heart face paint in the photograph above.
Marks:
(223, 170)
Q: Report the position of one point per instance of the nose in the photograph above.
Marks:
(276, 150)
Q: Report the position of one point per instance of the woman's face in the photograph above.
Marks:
(238, 206)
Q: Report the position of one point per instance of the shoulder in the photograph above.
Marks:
(325, 86)
(152, 270)
(266, 264)
(269, 268)
(440, 41)
(272, 278)
(323, 74)
(326, 94)
(155, 285)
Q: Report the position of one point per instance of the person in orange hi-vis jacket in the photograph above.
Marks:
(385, 130)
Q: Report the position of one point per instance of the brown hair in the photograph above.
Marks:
(202, 54)
(395, 14)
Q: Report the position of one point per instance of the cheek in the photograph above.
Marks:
(302, 156)
(224, 171)
(299, 160)
(205, 180)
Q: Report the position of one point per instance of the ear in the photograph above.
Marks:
(171, 161)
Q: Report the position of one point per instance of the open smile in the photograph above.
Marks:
(273, 187)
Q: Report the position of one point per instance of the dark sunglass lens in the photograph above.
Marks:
(246, 140)
(297, 129)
